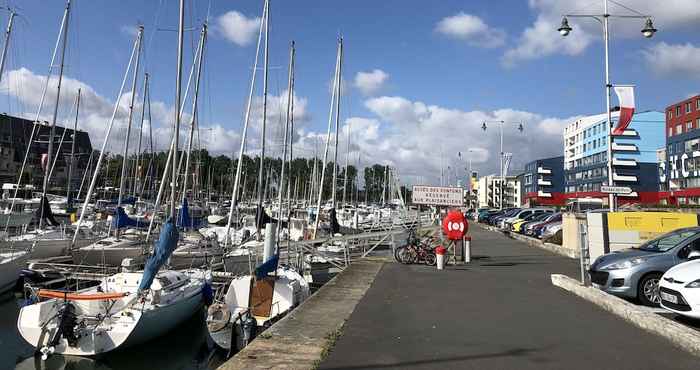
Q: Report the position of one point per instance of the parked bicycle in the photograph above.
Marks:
(416, 250)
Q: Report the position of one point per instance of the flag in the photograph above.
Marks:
(625, 96)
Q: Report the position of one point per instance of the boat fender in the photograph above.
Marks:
(207, 294)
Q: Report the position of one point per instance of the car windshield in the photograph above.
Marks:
(667, 241)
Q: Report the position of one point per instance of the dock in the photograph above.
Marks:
(501, 311)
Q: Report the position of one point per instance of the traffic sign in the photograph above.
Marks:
(615, 189)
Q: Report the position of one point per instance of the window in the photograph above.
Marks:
(688, 126)
(670, 131)
(698, 104)
(678, 111)
(688, 107)
(670, 112)
(679, 129)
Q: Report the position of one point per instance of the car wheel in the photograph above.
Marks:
(648, 289)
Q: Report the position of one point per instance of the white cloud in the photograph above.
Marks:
(237, 28)
(471, 29)
(413, 136)
(679, 60)
(370, 83)
(542, 39)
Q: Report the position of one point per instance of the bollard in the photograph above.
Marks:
(440, 254)
(467, 249)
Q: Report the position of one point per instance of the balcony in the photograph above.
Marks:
(628, 133)
(544, 182)
(544, 171)
(624, 162)
(618, 147)
(624, 178)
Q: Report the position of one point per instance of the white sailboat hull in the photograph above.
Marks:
(130, 323)
(10, 269)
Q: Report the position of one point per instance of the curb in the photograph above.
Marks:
(681, 336)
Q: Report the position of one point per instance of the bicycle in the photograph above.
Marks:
(416, 250)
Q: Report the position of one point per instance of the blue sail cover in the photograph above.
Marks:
(183, 218)
(121, 220)
(267, 267)
(166, 244)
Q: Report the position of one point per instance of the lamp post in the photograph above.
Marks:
(648, 31)
(484, 127)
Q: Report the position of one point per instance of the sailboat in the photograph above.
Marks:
(12, 261)
(253, 302)
(124, 309)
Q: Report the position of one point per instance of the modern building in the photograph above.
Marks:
(543, 182)
(635, 163)
(14, 137)
(491, 187)
(680, 172)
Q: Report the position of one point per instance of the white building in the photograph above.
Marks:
(489, 192)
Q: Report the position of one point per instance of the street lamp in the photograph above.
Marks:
(648, 31)
(484, 127)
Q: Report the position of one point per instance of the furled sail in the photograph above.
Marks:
(122, 220)
(166, 244)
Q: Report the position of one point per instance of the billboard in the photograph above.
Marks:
(438, 195)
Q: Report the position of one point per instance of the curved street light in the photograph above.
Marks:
(648, 31)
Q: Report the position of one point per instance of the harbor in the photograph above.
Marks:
(207, 185)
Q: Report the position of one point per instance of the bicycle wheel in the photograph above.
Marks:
(430, 259)
(408, 256)
(398, 253)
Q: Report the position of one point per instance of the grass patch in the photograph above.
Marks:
(331, 338)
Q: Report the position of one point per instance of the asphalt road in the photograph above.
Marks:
(500, 312)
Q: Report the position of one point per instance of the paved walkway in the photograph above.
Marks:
(500, 312)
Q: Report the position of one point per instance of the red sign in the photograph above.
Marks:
(455, 225)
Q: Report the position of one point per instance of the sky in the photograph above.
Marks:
(418, 78)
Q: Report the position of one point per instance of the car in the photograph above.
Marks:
(508, 222)
(496, 218)
(518, 224)
(679, 287)
(533, 219)
(534, 228)
(635, 273)
(550, 230)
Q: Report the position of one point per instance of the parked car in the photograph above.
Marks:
(534, 217)
(498, 216)
(550, 230)
(534, 228)
(679, 287)
(635, 272)
(507, 223)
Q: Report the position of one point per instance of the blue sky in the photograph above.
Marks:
(447, 66)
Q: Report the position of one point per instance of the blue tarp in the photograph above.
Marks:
(121, 220)
(166, 244)
(267, 267)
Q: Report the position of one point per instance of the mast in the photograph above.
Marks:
(347, 163)
(234, 193)
(202, 42)
(291, 143)
(337, 118)
(176, 131)
(137, 179)
(72, 151)
(5, 46)
(96, 172)
(125, 153)
(47, 170)
(336, 82)
(260, 209)
(284, 143)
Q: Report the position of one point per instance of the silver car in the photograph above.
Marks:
(635, 273)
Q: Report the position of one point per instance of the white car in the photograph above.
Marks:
(679, 287)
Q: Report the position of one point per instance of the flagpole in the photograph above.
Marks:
(606, 37)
